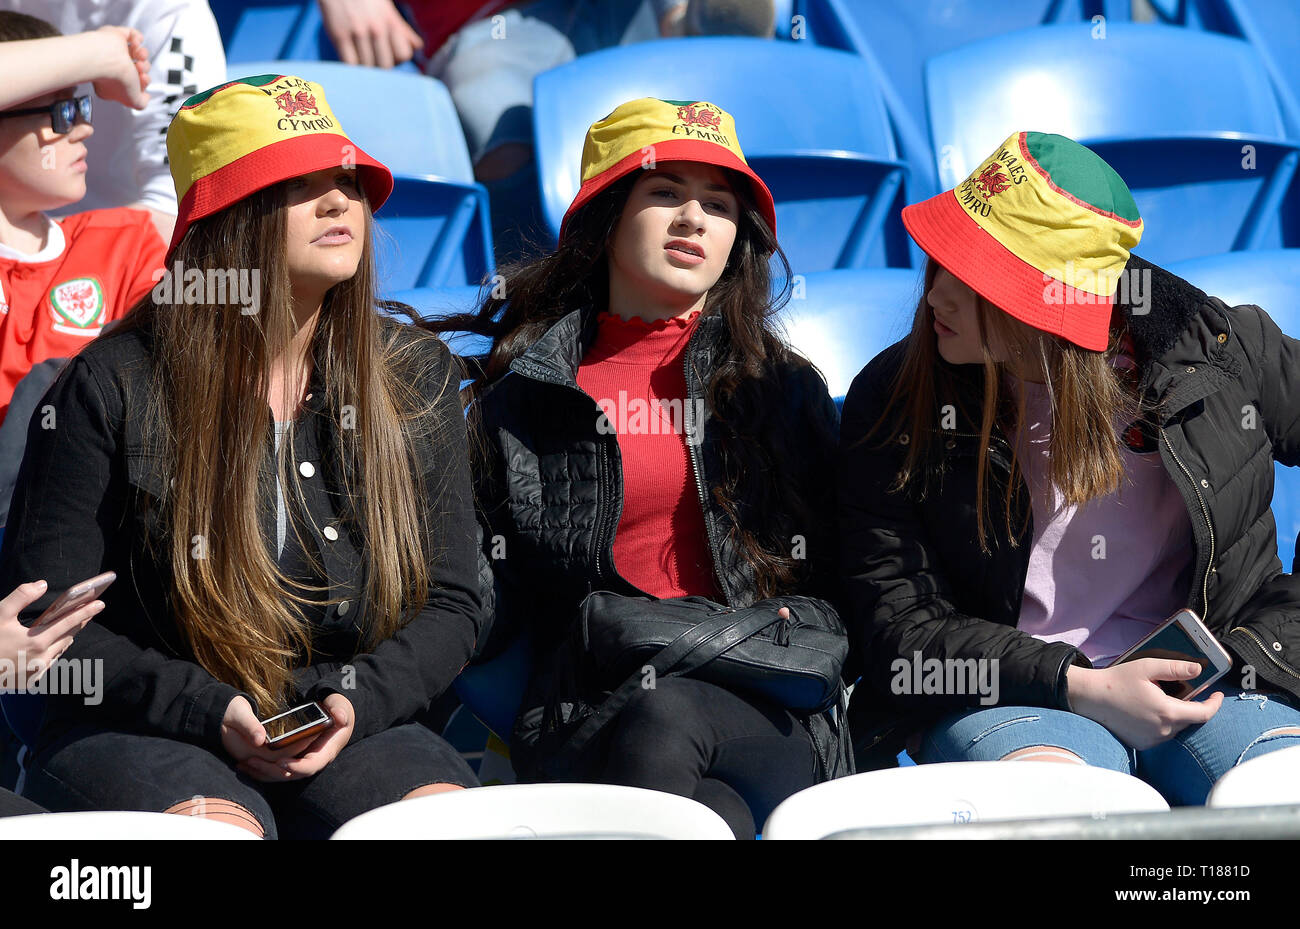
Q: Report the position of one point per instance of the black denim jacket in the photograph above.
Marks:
(75, 515)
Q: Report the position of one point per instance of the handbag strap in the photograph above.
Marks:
(692, 649)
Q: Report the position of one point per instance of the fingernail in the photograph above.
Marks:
(41, 585)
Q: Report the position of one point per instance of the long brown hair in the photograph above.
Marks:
(207, 419)
(1088, 397)
(741, 388)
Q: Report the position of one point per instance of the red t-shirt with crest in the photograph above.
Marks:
(93, 268)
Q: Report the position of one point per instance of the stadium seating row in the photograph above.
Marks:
(935, 794)
(1202, 125)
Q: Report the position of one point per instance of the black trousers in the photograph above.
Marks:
(87, 768)
(738, 755)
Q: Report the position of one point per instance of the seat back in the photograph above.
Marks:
(1265, 780)
(958, 792)
(1272, 26)
(527, 811)
(840, 320)
(1188, 119)
(256, 30)
(833, 168)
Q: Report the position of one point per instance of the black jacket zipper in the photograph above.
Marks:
(693, 450)
(1209, 565)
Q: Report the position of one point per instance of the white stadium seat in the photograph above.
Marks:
(959, 792)
(541, 811)
(1268, 780)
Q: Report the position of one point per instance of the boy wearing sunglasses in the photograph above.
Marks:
(61, 281)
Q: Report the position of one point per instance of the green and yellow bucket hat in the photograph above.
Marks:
(1042, 229)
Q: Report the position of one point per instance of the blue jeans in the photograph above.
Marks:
(1183, 768)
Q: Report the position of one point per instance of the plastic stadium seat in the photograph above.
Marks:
(256, 30)
(436, 220)
(252, 30)
(543, 811)
(1179, 114)
(898, 36)
(116, 825)
(1269, 279)
(959, 792)
(840, 320)
(829, 157)
(432, 302)
(433, 234)
(493, 690)
(1272, 26)
(1267, 780)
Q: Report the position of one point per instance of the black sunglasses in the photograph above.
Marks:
(63, 113)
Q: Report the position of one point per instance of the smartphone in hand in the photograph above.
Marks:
(74, 598)
(1183, 637)
(296, 725)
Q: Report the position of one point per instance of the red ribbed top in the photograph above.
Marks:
(635, 371)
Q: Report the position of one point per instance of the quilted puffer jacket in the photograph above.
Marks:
(1226, 384)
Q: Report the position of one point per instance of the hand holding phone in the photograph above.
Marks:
(294, 726)
(1183, 637)
(47, 637)
(243, 736)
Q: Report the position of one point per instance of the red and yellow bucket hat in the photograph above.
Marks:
(242, 136)
(645, 131)
(1042, 229)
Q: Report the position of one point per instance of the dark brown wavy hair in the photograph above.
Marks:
(742, 386)
(207, 419)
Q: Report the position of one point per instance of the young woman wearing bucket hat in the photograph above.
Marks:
(1070, 445)
(279, 478)
(646, 432)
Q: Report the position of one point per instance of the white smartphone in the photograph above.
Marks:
(74, 598)
(1183, 637)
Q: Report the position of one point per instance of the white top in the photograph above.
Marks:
(54, 245)
(281, 514)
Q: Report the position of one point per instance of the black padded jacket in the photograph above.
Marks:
(551, 491)
(1226, 384)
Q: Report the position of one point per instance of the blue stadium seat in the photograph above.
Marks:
(493, 690)
(828, 157)
(1269, 279)
(257, 30)
(896, 37)
(1273, 27)
(840, 320)
(432, 302)
(253, 31)
(1188, 119)
(438, 233)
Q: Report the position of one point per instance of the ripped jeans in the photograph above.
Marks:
(1183, 768)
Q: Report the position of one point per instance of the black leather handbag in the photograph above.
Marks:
(796, 663)
(624, 644)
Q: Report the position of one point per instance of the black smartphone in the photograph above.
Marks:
(292, 726)
(1183, 637)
